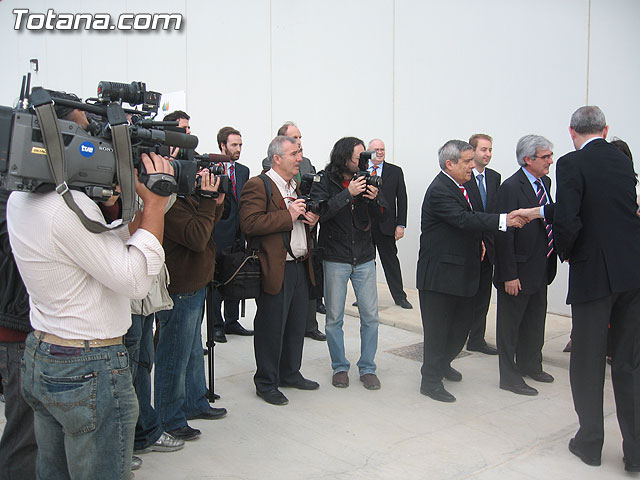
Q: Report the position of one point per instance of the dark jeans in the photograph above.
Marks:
(85, 410)
(139, 343)
(18, 446)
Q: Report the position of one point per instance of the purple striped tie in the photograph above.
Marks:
(542, 200)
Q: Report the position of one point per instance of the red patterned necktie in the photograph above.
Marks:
(542, 200)
(375, 170)
(466, 195)
(232, 174)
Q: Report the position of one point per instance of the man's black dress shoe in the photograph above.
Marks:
(219, 336)
(520, 389)
(486, 349)
(316, 335)
(274, 397)
(543, 377)
(452, 374)
(185, 433)
(211, 414)
(591, 461)
(630, 467)
(438, 393)
(302, 384)
(236, 329)
(404, 303)
(320, 308)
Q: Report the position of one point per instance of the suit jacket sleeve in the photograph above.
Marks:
(446, 206)
(402, 201)
(506, 266)
(567, 224)
(254, 220)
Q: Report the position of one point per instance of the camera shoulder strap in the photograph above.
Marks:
(124, 160)
(55, 157)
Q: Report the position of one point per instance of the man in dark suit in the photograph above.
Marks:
(597, 230)
(387, 232)
(227, 231)
(525, 265)
(286, 268)
(482, 189)
(449, 261)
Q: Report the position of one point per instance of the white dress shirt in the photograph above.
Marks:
(79, 283)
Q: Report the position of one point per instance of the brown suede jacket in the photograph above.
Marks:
(190, 253)
(269, 226)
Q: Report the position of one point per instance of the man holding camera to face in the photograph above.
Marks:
(76, 367)
(180, 383)
(283, 223)
(349, 203)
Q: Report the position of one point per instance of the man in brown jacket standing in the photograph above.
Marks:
(282, 223)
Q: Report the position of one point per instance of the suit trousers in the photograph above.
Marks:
(388, 253)
(279, 330)
(481, 305)
(231, 308)
(445, 321)
(520, 334)
(587, 369)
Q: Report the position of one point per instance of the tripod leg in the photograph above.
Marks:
(211, 395)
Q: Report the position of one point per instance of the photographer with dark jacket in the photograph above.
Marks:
(348, 253)
(18, 446)
(180, 383)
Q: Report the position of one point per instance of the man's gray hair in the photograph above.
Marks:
(589, 119)
(276, 147)
(528, 146)
(374, 140)
(285, 126)
(452, 150)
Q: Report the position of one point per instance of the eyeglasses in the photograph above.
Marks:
(545, 157)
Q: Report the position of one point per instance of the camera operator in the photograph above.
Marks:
(180, 383)
(284, 258)
(345, 237)
(80, 285)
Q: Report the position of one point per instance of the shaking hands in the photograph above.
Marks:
(519, 218)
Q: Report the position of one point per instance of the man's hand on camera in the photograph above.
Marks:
(357, 186)
(209, 182)
(153, 164)
(372, 192)
(297, 208)
(311, 218)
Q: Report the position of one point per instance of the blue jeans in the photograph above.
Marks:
(85, 410)
(363, 279)
(180, 384)
(139, 343)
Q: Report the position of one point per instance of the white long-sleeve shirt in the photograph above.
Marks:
(79, 283)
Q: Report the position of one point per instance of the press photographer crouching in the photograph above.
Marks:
(76, 368)
(180, 384)
(270, 209)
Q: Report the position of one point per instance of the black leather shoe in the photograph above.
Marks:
(219, 336)
(321, 309)
(316, 335)
(591, 461)
(520, 389)
(236, 329)
(302, 384)
(438, 393)
(404, 303)
(452, 374)
(185, 433)
(543, 377)
(274, 397)
(211, 414)
(486, 349)
(630, 467)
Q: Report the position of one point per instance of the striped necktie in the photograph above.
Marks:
(543, 200)
(466, 195)
(232, 175)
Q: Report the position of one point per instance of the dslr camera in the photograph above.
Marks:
(215, 164)
(363, 165)
(306, 183)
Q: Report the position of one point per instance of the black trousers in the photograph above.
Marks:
(587, 369)
(279, 330)
(388, 254)
(520, 334)
(231, 308)
(18, 447)
(481, 305)
(445, 320)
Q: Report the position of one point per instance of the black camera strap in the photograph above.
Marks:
(55, 157)
(124, 170)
